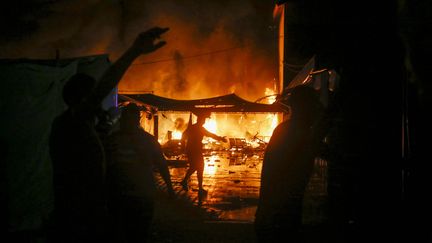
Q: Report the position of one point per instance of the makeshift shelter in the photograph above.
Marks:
(31, 97)
(225, 104)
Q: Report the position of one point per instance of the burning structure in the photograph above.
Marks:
(248, 125)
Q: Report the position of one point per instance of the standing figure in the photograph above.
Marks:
(179, 124)
(132, 153)
(192, 139)
(77, 152)
(287, 166)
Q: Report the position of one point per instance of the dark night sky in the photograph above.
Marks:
(72, 25)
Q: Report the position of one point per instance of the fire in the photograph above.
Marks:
(271, 98)
(271, 95)
(275, 122)
(211, 125)
(210, 166)
(206, 58)
(254, 128)
(176, 135)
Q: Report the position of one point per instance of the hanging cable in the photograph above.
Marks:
(189, 57)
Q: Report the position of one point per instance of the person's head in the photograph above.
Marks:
(179, 123)
(202, 116)
(78, 87)
(130, 116)
(305, 103)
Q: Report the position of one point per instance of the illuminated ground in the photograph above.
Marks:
(232, 183)
(226, 214)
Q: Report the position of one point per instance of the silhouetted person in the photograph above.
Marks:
(367, 148)
(192, 138)
(179, 124)
(104, 124)
(179, 127)
(132, 155)
(77, 153)
(287, 166)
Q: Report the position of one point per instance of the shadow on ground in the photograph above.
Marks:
(180, 221)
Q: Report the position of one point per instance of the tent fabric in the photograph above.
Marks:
(91, 65)
(31, 97)
(303, 76)
(224, 103)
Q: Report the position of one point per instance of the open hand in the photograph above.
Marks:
(146, 41)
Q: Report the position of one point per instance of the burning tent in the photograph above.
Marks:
(226, 104)
(240, 120)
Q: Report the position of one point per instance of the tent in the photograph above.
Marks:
(230, 103)
(29, 101)
(225, 103)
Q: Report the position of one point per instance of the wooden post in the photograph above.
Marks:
(156, 126)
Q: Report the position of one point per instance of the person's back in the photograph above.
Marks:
(195, 134)
(287, 166)
(78, 161)
(132, 154)
(131, 163)
(77, 152)
(130, 184)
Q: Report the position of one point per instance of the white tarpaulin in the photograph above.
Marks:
(30, 98)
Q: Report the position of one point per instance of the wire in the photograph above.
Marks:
(189, 57)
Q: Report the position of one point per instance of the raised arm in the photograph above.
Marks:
(145, 43)
(214, 136)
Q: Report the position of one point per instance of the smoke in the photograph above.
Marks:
(181, 83)
(213, 47)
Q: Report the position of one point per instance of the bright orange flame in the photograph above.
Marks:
(211, 125)
(275, 122)
(248, 126)
(176, 135)
(210, 166)
(271, 97)
(201, 65)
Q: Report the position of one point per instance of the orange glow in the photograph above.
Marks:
(281, 44)
(211, 166)
(275, 122)
(277, 11)
(250, 126)
(271, 96)
(211, 125)
(176, 135)
(244, 68)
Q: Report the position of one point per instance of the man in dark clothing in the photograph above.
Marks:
(131, 154)
(77, 152)
(192, 139)
(287, 166)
